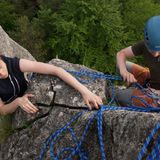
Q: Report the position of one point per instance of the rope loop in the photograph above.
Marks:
(68, 153)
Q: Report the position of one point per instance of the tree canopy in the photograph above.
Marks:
(88, 32)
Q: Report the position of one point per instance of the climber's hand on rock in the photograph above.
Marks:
(92, 100)
(26, 104)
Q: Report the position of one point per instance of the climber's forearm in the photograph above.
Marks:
(69, 79)
(8, 108)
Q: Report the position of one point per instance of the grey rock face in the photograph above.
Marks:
(124, 132)
(50, 91)
(10, 48)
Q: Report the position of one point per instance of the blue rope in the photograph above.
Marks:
(55, 135)
(142, 100)
(156, 150)
(100, 133)
(93, 76)
(78, 150)
(155, 154)
(147, 93)
(83, 135)
(143, 90)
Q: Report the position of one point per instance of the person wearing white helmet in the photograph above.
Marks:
(149, 48)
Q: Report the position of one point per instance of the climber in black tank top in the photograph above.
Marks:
(13, 84)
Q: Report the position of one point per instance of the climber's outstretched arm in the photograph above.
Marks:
(90, 98)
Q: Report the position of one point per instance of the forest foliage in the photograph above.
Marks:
(88, 32)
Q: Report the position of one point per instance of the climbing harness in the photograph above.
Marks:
(77, 150)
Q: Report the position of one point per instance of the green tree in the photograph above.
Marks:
(135, 14)
(54, 5)
(27, 8)
(30, 36)
(157, 1)
(84, 32)
(7, 15)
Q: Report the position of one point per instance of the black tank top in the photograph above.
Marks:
(15, 84)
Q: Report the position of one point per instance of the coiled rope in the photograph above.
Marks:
(155, 154)
(78, 150)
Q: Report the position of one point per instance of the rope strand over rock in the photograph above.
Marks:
(98, 115)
